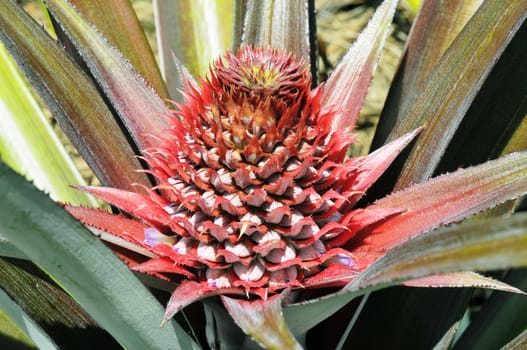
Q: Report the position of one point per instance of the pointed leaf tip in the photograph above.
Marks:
(377, 162)
(263, 320)
(477, 245)
(448, 198)
(347, 86)
(185, 80)
(463, 279)
(189, 292)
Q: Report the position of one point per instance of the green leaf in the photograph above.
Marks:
(7, 249)
(141, 110)
(496, 243)
(221, 331)
(489, 122)
(447, 305)
(453, 83)
(30, 328)
(438, 201)
(437, 25)
(51, 309)
(195, 31)
(446, 341)
(496, 122)
(87, 269)
(27, 142)
(72, 98)
(117, 21)
(281, 25)
(446, 248)
(303, 316)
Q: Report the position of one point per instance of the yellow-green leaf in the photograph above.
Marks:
(72, 99)
(28, 144)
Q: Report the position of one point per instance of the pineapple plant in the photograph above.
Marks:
(245, 214)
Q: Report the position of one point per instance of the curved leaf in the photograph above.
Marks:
(72, 98)
(446, 199)
(433, 30)
(118, 22)
(480, 245)
(25, 323)
(84, 266)
(141, 110)
(27, 142)
(447, 252)
(347, 86)
(7, 249)
(452, 85)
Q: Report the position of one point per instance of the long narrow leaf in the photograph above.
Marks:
(195, 31)
(117, 21)
(488, 123)
(496, 122)
(438, 23)
(25, 323)
(481, 245)
(446, 199)
(72, 98)
(420, 201)
(50, 307)
(27, 142)
(347, 86)
(85, 267)
(452, 85)
(141, 110)
(278, 24)
(399, 265)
